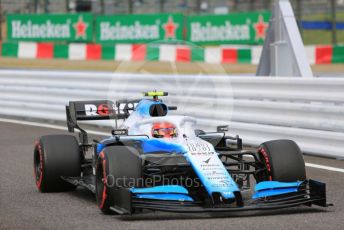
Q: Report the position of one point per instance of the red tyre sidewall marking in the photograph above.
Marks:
(267, 162)
(101, 205)
(39, 182)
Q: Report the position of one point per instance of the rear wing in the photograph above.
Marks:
(89, 110)
(96, 110)
(99, 110)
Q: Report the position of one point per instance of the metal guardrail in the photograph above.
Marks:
(309, 111)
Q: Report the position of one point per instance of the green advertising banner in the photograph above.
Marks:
(50, 27)
(236, 28)
(139, 28)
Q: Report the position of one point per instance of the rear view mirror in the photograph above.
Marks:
(222, 128)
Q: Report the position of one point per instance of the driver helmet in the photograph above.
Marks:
(164, 130)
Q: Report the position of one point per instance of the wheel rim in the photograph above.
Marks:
(38, 166)
(265, 174)
(99, 182)
(101, 185)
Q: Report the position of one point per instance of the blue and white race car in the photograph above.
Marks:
(158, 161)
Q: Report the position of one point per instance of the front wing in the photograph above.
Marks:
(311, 193)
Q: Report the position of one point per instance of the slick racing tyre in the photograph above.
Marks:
(282, 160)
(117, 166)
(56, 156)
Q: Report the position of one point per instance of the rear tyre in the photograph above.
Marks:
(56, 156)
(283, 161)
(117, 166)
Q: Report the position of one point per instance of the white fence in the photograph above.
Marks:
(309, 111)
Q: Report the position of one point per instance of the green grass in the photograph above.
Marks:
(323, 16)
(311, 37)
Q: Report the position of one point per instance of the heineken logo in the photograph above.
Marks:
(61, 27)
(114, 29)
(170, 28)
(227, 31)
(260, 28)
(43, 30)
(128, 32)
(80, 28)
(245, 28)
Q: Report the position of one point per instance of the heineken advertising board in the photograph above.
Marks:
(50, 27)
(236, 28)
(139, 28)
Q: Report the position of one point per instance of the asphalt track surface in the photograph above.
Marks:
(23, 207)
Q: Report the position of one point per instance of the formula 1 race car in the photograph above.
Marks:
(158, 161)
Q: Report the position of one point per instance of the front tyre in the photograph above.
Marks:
(282, 161)
(117, 166)
(56, 156)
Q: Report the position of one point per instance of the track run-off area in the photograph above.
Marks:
(23, 207)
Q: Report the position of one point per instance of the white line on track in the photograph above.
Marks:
(329, 168)
(36, 124)
(50, 126)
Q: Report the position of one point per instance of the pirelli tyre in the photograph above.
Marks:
(116, 167)
(282, 161)
(56, 156)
